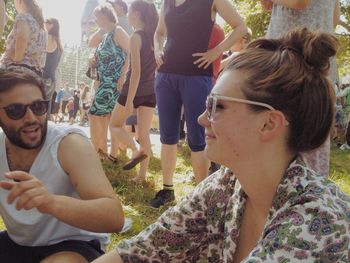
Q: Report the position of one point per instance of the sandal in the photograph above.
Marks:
(134, 161)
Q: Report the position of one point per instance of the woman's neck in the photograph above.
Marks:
(109, 27)
(260, 177)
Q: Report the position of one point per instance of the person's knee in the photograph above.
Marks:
(66, 257)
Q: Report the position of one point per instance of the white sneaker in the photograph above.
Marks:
(345, 147)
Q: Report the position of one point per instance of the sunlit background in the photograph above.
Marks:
(69, 13)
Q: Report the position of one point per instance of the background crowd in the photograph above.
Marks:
(180, 61)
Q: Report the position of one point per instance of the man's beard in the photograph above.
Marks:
(14, 136)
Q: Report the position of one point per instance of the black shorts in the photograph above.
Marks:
(145, 101)
(14, 253)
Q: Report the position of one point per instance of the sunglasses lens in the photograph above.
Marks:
(39, 107)
(15, 111)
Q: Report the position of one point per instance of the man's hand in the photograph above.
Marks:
(266, 4)
(206, 58)
(29, 192)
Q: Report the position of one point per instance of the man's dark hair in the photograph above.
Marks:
(11, 78)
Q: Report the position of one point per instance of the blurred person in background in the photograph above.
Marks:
(112, 61)
(315, 15)
(2, 16)
(26, 45)
(53, 56)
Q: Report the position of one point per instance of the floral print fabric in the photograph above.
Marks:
(309, 221)
(35, 54)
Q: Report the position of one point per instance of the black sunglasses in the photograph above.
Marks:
(16, 111)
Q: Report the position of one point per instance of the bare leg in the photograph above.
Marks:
(144, 116)
(98, 130)
(200, 166)
(67, 257)
(119, 134)
(168, 161)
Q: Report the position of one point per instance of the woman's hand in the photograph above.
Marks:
(129, 107)
(92, 62)
(158, 54)
(266, 4)
(205, 59)
(121, 82)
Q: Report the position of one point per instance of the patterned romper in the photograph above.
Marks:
(110, 61)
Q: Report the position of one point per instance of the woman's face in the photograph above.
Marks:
(233, 133)
(48, 26)
(100, 19)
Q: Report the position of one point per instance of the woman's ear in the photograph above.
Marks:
(273, 126)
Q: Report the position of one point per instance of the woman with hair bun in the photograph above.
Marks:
(272, 102)
(26, 44)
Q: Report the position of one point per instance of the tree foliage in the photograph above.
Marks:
(11, 13)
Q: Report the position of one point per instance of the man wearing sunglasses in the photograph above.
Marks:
(54, 195)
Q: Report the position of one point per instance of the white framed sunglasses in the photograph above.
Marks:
(212, 100)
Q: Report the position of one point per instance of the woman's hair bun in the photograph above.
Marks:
(315, 47)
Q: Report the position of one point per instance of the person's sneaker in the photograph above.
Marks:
(162, 197)
(345, 147)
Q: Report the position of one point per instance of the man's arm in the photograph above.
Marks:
(2, 16)
(98, 210)
(294, 4)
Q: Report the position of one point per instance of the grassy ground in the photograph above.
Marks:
(136, 197)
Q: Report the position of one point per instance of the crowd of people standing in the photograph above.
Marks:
(267, 119)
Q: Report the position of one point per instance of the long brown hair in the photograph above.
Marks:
(290, 74)
(148, 15)
(35, 10)
(55, 31)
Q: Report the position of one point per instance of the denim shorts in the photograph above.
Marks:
(173, 91)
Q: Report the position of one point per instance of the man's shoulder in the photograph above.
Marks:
(59, 131)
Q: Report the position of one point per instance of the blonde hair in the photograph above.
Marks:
(108, 11)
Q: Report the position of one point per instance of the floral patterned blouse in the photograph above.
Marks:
(35, 54)
(309, 221)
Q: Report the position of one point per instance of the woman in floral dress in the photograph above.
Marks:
(263, 111)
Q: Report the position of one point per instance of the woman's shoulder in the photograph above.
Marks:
(310, 218)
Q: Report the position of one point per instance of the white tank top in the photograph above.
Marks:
(32, 228)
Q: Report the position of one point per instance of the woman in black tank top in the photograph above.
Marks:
(53, 55)
(184, 77)
(138, 90)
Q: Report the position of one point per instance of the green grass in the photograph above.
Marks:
(135, 197)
